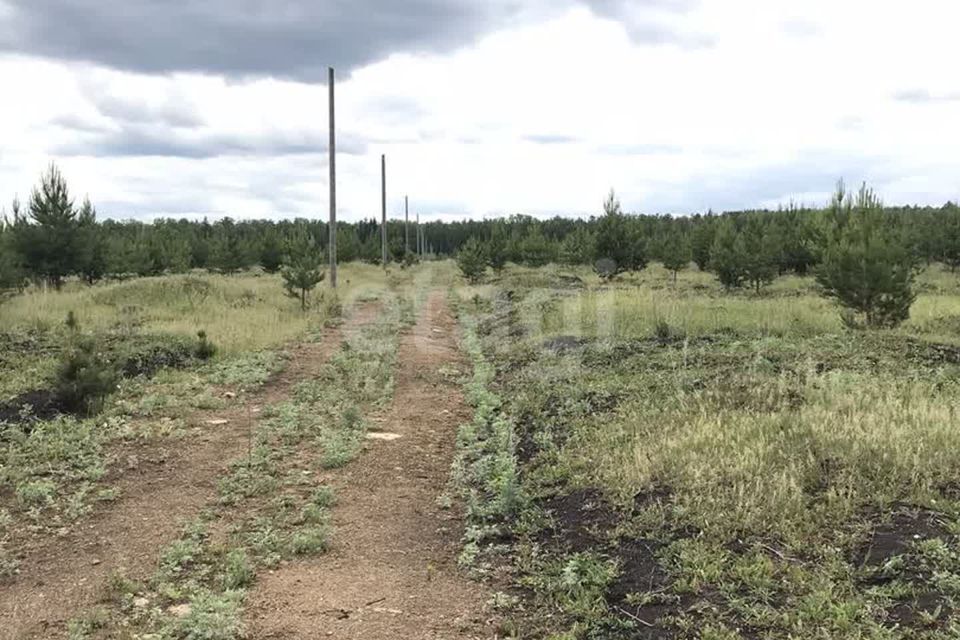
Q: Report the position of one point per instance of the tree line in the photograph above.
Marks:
(52, 238)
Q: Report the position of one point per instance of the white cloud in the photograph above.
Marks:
(540, 118)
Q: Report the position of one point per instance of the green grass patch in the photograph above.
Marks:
(692, 464)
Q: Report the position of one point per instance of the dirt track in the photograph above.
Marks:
(392, 571)
(168, 485)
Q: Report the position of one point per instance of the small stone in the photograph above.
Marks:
(140, 602)
(218, 422)
(95, 561)
(229, 395)
(383, 435)
(179, 610)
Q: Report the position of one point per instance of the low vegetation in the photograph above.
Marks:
(665, 460)
(271, 505)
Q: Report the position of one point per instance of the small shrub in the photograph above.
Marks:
(662, 330)
(84, 378)
(867, 266)
(312, 514)
(36, 493)
(205, 349)
(582, 583)
(472, 261)
(238, 572)
(324, 497)
(302, 269)
(309, 541)
(211, 617)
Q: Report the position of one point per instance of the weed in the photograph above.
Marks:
(310, 540)
(323, 497)
(211, 616)
(205, 349)
(238, 572)
(36, 493)
(84, 378)
(85, 627)
(747, 469)
(9, 564)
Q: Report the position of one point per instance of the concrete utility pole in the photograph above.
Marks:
(383, 209)
(406, 224)
(332, 243)
(419, 253)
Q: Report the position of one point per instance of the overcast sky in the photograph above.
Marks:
(483, 107)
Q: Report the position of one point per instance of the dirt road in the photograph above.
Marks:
(392, 570)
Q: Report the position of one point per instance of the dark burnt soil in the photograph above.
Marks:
(554, 416)
(926, 610)
(133, 357)
(579, 520)
(897, 536)
(583, 520)
(564, 344)
(40, 404)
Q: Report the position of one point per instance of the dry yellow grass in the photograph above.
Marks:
(244, 312)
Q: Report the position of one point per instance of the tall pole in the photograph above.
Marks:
(332, 243)
(419, 253)
(383, 209)
(406, 224)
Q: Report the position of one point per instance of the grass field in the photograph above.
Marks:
(674, 461)
(647, 458)
(55, 469)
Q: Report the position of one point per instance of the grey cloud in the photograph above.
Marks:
(814, 172)
(282, 38)
(79, 123)
(653, 22)
(175, 111)
(923, 96)
(136, 140)
(396, 108)
(293, 38)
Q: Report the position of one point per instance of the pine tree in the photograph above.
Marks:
(726, 259)
(11, 273)
(619, 248)
(701, 242)
(49, 245)
(676, 253)
(302, 268)
(92, 261)
(578, 247)
(472, 261)
(348, 244)
(867, 267)
(757, 250)
(536, 249)
(949, 234)
(271, 253)
(496, 248)
(230, 251)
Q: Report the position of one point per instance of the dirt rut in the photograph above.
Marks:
(392, 571)
(162, 487)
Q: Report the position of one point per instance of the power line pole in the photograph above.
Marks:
(406, 224)
(383, 209)
(419, 252)
(332, 243)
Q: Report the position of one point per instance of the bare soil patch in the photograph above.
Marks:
(392, 571)
(162, 485)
